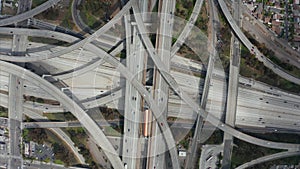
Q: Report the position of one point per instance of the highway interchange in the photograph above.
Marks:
(17, 80)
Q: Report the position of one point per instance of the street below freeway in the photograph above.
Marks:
(233, 84)
(160, 88)
(280, 46)
(60, 133)
(89, 124)
(212, 119)
(191, 156)
(267, 62)
(135, 61)
(15, 111)
(250, 99)
(64, 37)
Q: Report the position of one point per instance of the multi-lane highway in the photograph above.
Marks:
(133, 111)
(233, 83)
(15, 110)
(253, 104)
(160, 88)
(248, 107)
(212, 119)
(89, 124)
(77, 18)
(69, 49)
(187, 28)
(191, 157)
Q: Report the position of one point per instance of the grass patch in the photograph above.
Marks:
(56, 161)
(111, 131)
(3, 112)
(47, 41)
(36, 3)
(66, 116)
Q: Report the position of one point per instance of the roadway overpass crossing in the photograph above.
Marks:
(101, 56)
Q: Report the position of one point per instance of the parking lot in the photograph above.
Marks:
(43, 152)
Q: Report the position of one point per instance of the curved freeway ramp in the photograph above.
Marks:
(61, 134)
(77, 19)
(75, 109)
(189, 101)
(28, 14)
(269, 158)
(69, 49)
(129, 76)
(187, 28)
(267, 62)
(212, 119)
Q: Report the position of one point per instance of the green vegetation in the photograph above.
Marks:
(187, 52)
(186, 141)
(91, 20)
(244, 152)
(56, 161)
(279, 137)
(36, 3)
(155, 9)
(94, 13)
(224, 45)
(215, 138)
(66, 116)
(97, 8)
(62, 154)
(251, 67)
(110, 114)
(122, 54)
(67, 20)
(51, 13)
(112, 131)
(184, 8)
(3, 112)
(47, 41)
(80, 138)
(35, 99)
(285, 161)
(271, 55)
(202, 20)
(37, 135)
